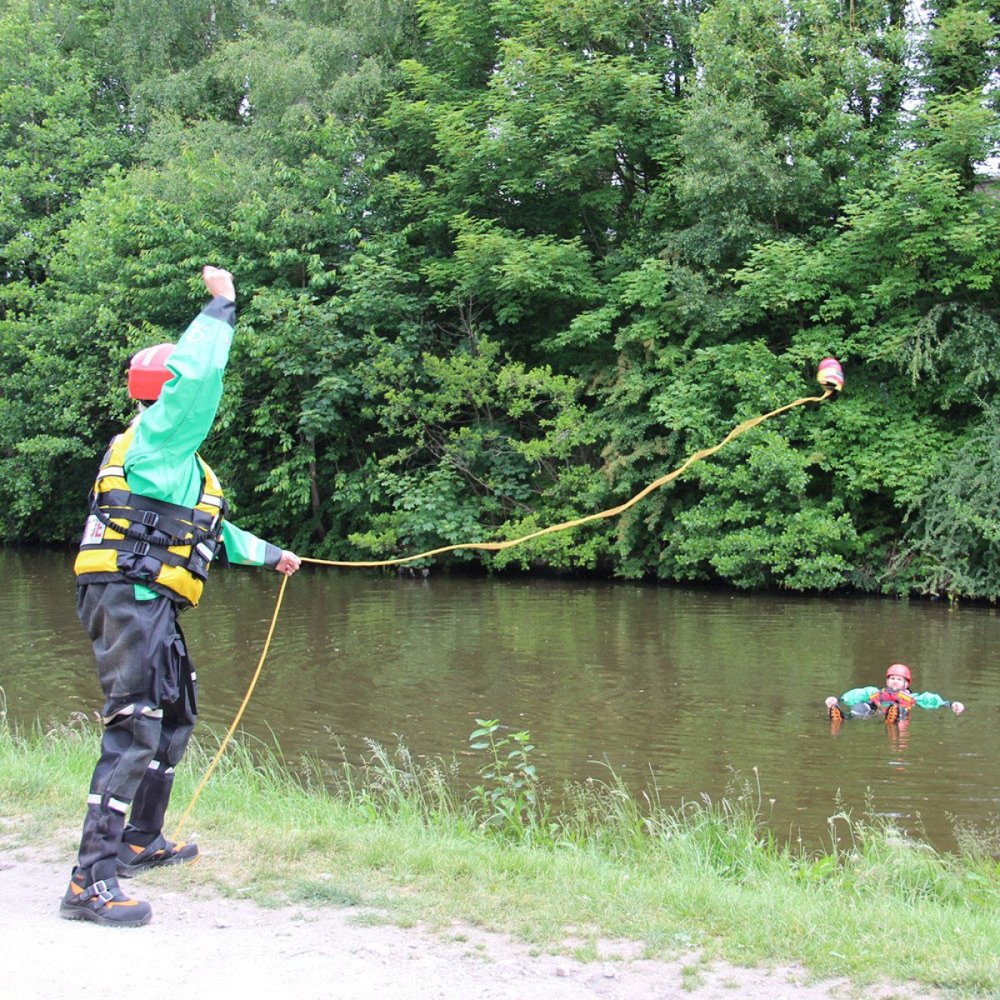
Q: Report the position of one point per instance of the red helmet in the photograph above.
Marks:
(148, 373)
(899, 670)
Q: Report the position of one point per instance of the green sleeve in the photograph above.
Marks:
(930, 700)
(160, 461)
(246, 549)
(857, 695)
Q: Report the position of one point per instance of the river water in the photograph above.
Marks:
(675, 688)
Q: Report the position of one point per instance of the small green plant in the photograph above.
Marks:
(508, 800)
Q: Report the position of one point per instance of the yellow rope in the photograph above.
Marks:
(239, 714)
(604, 514)
(489, 547)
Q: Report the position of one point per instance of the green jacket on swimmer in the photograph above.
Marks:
(156, 519)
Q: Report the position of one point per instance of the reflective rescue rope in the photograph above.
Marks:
(829, 375)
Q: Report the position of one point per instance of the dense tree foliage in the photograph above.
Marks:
(504, 263)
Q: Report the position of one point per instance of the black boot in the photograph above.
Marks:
(94, 895)
(134, 858)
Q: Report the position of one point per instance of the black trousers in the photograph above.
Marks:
(150, 692)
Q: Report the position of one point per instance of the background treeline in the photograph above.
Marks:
(504, 262)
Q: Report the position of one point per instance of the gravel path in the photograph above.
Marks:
(201, 947)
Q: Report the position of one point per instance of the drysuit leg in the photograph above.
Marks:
(134, 645)
(130, 739)
(149, 807)
(179, 713)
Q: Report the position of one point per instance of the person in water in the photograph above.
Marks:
(894, 702)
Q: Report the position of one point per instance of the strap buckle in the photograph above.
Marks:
(99, 890)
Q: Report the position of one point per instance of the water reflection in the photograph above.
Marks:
(899, 739)
(683, 687)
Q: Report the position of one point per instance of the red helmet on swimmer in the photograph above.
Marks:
(899, 670)
(148, 372)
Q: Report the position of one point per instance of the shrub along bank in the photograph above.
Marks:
(503, 264)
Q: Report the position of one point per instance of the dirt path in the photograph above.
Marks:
(200, 947)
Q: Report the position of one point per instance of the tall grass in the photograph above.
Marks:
(403, 837)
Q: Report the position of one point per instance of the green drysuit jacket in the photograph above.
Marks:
(160, 462)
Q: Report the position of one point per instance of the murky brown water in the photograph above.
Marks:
(686, 685)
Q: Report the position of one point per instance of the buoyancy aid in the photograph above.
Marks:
(166, 546)
(885, 699)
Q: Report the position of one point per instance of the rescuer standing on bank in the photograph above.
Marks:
(157, 520)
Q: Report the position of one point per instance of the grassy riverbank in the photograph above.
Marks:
(705, 876)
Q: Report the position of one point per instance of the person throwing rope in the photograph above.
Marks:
(157, 521)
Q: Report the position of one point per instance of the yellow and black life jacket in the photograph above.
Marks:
(165, 546)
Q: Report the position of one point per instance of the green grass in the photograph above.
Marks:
(706, 877)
